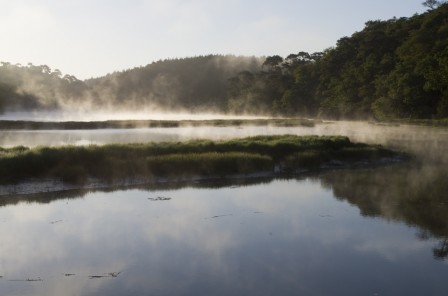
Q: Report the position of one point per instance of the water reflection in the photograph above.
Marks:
(276, 237)
(410, 193)
(369, 231)
(391, 136)
(105, 136)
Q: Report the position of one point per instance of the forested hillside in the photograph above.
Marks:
(191, 84)
(33, 87)
(392, 69)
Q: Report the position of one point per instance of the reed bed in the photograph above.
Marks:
(76, 164)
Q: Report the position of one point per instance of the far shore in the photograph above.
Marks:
(131, 124)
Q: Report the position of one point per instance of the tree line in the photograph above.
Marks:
(396, 68)
(187, 84)
(391, 69)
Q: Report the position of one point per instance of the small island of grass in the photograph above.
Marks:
(190, 159)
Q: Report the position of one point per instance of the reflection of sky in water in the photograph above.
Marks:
(282, 238)
(420, 137)
(104, 136)
(89, 115)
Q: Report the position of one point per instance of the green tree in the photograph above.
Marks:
(273, 63)
(432, 4)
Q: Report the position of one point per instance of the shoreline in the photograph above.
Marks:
(26, 170)
(55, 185)
(13, 125)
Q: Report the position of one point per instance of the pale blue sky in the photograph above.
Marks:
(90, 38)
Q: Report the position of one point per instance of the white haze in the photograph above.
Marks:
(86, 116)
(418, 140)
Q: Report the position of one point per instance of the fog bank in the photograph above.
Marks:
(85, 116)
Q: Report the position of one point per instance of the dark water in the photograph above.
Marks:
(372, 231)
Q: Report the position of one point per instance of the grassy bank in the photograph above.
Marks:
(118, 124)
(76, 164)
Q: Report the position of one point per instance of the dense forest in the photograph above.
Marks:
(190, 84)
(392, 69)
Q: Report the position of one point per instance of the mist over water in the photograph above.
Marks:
(413, 139)
(377, 229)
(360, 229)
(275, 237)
(85, 115)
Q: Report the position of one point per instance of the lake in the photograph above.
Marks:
(369, 231)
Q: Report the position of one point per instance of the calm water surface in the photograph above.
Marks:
(372, 231)
(283, 237)
(357, 131)
(106, 136)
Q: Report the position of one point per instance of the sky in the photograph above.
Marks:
(90, 38)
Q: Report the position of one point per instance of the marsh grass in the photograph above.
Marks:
(358, 153)
(208, 164)
(75, 164)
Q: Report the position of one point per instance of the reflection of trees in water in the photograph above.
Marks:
(48, 197)
(412, 193)
(441, 251)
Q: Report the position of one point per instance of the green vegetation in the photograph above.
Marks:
(189, 84)
(392, 69)
(208, 164)
(202, 158)
(111, 124)
(414, 194)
